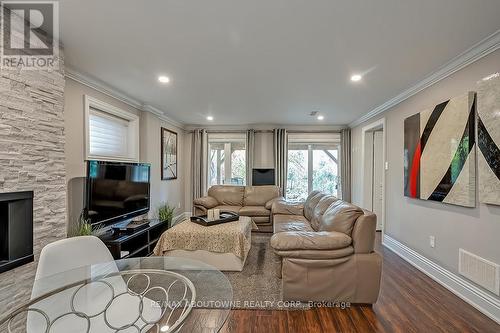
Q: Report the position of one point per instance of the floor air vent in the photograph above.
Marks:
(481, 271)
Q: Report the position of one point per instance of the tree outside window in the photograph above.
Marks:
(226, 171)
(312, 167)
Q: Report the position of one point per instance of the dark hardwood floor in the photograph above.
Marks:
(409, 302)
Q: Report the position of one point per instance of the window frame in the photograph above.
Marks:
(132, 135)
(226, 139)
(311, 142)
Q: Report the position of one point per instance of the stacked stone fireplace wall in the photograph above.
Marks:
(32, 158)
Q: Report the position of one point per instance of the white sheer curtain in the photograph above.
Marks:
(250, 147)
(280, 157)
(345, 164)
(199, 163)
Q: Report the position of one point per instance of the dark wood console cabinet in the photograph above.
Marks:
(138, 244)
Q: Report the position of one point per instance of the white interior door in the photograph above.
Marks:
(378, 176)
(368, 172)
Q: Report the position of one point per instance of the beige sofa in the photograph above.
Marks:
(326, 246)
(252, 201)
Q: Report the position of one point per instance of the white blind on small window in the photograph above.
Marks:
(108, 134)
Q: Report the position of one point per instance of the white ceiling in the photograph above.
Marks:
(268, 61)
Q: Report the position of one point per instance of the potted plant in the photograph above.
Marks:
(83, 227)
(166, 213)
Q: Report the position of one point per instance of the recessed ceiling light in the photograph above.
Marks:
(356, 78)
(163, 79)
(210, 118)
(320, 117)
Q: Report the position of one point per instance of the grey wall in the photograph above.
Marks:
(412, 221)
(263, 153)
(171, 191)
(74, 121)
(32, 158)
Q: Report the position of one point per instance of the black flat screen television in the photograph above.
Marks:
(116, 191)
(263, 177)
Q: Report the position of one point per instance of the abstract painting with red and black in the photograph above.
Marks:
(439, 155)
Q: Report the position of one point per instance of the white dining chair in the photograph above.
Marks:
(69, 261)
(66, 256)
(70, 253)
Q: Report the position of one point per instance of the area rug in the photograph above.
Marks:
(258, 286)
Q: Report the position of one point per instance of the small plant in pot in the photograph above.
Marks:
(83, 227)
(166, 213)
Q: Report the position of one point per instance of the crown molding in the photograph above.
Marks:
(307, 128)
(118, 95)
(157, 112)
(471, 55)
(102, 87)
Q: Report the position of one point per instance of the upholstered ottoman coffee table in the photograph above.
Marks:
(224, 246)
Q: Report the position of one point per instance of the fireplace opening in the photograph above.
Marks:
(16, 229)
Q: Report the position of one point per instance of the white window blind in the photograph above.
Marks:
(108, 134)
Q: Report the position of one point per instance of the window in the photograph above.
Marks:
(111, 133)
(226, 159)
(313, 164)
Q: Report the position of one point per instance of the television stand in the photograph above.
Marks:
(138, 243)
(132, 227)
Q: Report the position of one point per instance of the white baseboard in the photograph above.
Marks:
(470, 293)
(179, 218)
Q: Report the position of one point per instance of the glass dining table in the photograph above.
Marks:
(152, 294)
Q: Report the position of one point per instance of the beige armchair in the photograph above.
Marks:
(327, 250)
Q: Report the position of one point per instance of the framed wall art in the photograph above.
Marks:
(488, 139)
(168, 154)
(439, 152)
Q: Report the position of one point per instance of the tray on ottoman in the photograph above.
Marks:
(224, 217)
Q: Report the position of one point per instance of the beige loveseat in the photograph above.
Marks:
(252, 201)
(326, 246)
